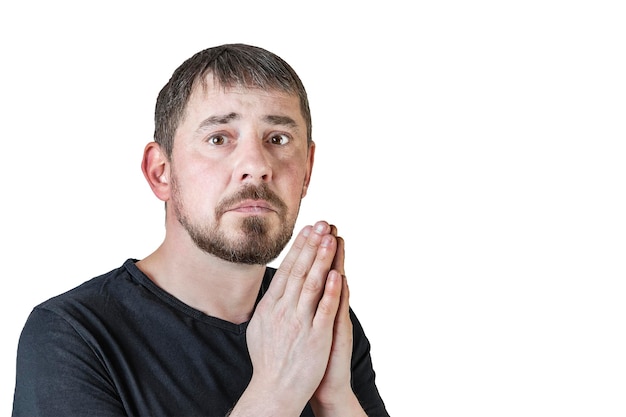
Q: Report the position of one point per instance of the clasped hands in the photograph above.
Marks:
(300, 336)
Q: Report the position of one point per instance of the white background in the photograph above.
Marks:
(472, 154)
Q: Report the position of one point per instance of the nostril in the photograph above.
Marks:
(250, 177)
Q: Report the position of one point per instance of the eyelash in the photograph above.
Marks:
(282, 136)
(211, 139)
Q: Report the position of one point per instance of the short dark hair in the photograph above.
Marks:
(231, 65)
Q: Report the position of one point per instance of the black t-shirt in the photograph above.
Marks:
(118, 345)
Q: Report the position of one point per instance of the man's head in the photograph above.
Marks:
(233, 154)
(230, 65)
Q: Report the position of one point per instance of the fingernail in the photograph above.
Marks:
(320, 227)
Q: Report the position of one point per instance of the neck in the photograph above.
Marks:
(204, 282)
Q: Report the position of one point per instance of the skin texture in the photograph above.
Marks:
(231, 141)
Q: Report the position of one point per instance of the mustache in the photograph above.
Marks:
(252, 192)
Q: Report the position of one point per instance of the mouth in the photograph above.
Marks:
(252, 207)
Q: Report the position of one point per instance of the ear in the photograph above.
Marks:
(309, 168)
(156, 169)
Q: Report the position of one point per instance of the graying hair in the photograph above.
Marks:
(231, 65)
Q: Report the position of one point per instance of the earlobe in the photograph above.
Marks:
(155, 167)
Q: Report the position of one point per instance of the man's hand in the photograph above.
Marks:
(334, 396)
(290, 335)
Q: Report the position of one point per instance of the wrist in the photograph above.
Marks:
(260, 402)
(342, 406)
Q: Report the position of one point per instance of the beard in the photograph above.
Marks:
(258, 245)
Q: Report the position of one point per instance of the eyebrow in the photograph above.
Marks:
(281, 120)
(221, 119)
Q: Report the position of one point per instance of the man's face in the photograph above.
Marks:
(239, 168)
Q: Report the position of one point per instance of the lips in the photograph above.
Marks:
(252, 199)
(252, 206)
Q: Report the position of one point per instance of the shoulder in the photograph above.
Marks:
(81, 317)
(86, 302)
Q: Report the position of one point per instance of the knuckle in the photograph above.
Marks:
(299, 271)
(313, 286)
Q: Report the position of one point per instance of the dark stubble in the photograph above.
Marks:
(258, 246)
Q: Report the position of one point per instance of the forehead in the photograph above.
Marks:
(209, 95)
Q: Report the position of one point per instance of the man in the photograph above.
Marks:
(202, 327)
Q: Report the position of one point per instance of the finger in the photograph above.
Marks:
(340, 255)
(328, 306)
(314, 285)
(312, 264)
(338, 263)
(342, 333)
(344, 304)
(277, 286)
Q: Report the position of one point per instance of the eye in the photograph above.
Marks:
(217, 140)
(279, 139)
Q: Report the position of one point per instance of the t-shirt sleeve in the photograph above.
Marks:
(59, 374)
(363, 375)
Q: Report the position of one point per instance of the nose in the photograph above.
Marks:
(253, 162)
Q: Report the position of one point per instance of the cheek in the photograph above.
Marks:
(198, 191)
(294, 182)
